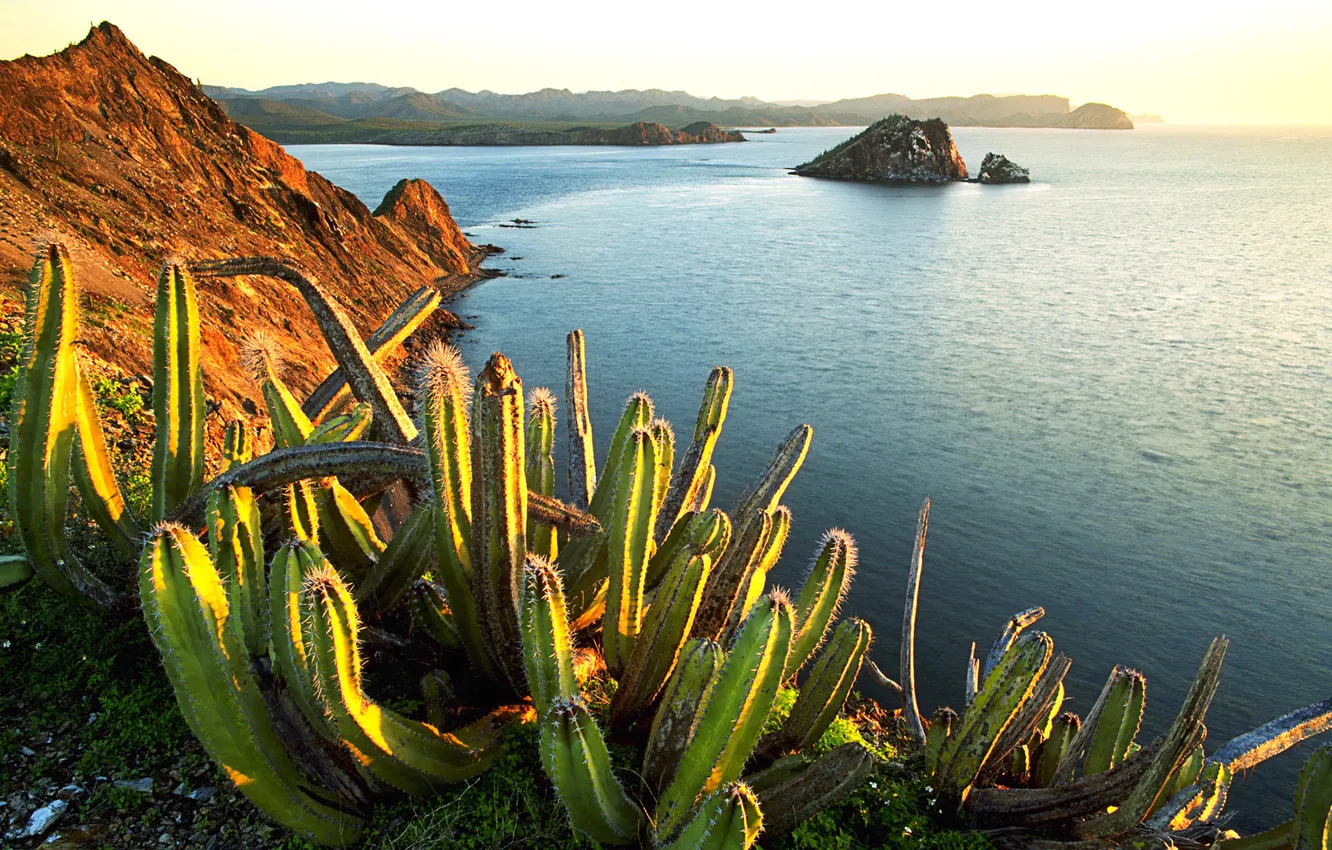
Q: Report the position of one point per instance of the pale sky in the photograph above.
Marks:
(1193, 62)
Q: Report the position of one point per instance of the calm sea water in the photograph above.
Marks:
(1113, 383)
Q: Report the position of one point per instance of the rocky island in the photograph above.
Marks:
(997, 168)
(896, 149)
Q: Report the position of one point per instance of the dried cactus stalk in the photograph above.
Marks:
(236, 543)
(1012, 629)
(582, 457)
(407, 556)
(629, 543)
(43, 428)
(499, 513)
(910, 708)
(826, 582)
(730, 721)
(178, 394)
(827, 779)
(687, 690)
(94, 476)
(665, 630)
(825, 691)
(541, 537)
(547, 642)
(729, 819)
(188, 615)
(973, 675)
(409, 755)
(386, 339)
(996, 705)
(1118, 723)
(691, 477)
(575, 758)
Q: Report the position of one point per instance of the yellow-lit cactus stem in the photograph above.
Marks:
(235, 541)
(821, 594)
(542, 538)
(830, 681)
(768, 558)
(188, 615)
(412, 756)
(575, 758)
(342, 429)
(689, 687)
(690, 488)
(941, 726)
(237, 445)
(288, 612)
(409, 554)
(582, 457)
(729, 819)
(499, 513)
(43, 427)
(430, 612)
(95, 477)
(1118, 722)
(178, 394)
(302, 511)
(730, 721)
(346, 530)
(629, 525)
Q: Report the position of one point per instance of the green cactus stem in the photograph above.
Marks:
(828, 779)
(430, 611)
(547, 642)
(1276, 838)
(386, 339)
(541, 537)
(689, 687)
(178, 394)
(830, 681)
(575, 758)
(237, 445)
(499, 513)
(187, 611)
(1312, 827)
(368, 381)
(1061, 735)
(1036, 709)
(701, 533)
(350, 426)
(826, 582)
(1118, 723)
(410, 553)
(290, 425)
(690, 478)
(286, 614)
(765, 494)
(346, 530)
(437, 691)
(731, 577)
(729, 819)
(941, 726)
(582, 457)
(43, 425)
(236, 543)
(730, 721)
(665, 631)
(910, 708)
(94, 476)
(629, 524)
(758, 576)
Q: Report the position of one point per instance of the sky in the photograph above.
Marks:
(1217, 62)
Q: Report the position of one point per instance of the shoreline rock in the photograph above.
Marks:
(997, 168)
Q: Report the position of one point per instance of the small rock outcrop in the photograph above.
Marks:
(896, 149)
(997, 168)
(415, 208)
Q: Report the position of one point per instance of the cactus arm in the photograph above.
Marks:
(95, 478)
(826, 780)
(1035, 710)
(704, 491)
(821, 594)
(766, 493)
(1276, 838)
(386, 339)
(346, 428)
(499, 512)
(178, 396)
(1118, 719)
(43, 431)
(1052, 751)
(412, 756)
(291, 427)
(547, 643)
(973, 675)
(582, 457)
(665, 630)
(368, 381)
(345, 529)
(730, 578)
(751, 590)
(729, 819)
(1311, 828)
(730, 721)
(941, 726)
(541, 537)
(1183, 736)
(664, 436)
(1077, 748)
(188, 618)
(575, 758)
(236, 543)
(997, 704)
(628, 546)
(910, 708)
(15, 570)
(287, 646)
(1014, 627)
(302, 513)
(825, 691)
(690, 477)
(408, 554)
(237, 445)
(430, 611)
(689, 687)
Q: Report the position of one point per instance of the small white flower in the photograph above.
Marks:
(874, 785)
(906, 830)
(929, 789)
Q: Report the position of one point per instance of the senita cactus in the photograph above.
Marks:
(828, 685)
(178, 395)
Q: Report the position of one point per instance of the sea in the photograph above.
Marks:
(1113, 383)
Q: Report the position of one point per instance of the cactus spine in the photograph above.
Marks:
(686, 491)
(829, 683)
(541, 537)
(178, 394)
(825, 587)
(187, 611)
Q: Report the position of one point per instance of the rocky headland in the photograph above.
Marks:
(631, 135)
(129, 161)
(896, 149)
(997, 168)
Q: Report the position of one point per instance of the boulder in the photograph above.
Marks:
(997, 168)
(896, 149)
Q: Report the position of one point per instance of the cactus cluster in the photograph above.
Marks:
(1014, 761)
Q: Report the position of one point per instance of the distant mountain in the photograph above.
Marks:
(1148, 118)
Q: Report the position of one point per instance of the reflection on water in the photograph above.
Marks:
(1113, 383)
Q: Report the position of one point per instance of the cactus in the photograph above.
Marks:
(302, 511)
(547, 644)
(342, 429)
(15, 571)
(941, 726)
(178, 394)
(828, 685)
(690, 488)
(811, 784)
(235, 541)
(689, 687)
(1052, 750)
(345, 529)
(291, 427)
(1118, 723)
(1312, 825)
(408, 554)
(237, 446)
(729, 819)
(821, 594)
(187, 611)
(287, 611)
(582, 459)
(629, 523)
(575, 758)
(541, 537)
(96, 480)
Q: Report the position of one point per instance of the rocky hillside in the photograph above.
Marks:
(895, 150)
(129, 161)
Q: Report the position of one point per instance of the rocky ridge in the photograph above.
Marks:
(129, 161)
(896, 149)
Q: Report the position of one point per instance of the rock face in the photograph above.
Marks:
(997, 168)
(128, 161)
(895, 150)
